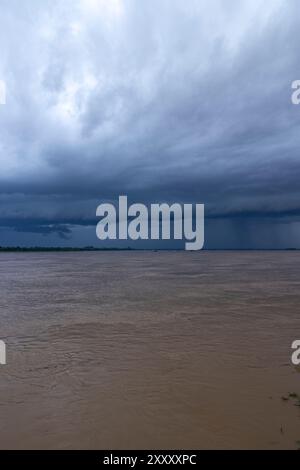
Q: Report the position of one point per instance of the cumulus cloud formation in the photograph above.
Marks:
(165, 100)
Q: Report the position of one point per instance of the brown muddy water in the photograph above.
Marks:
(148, 350)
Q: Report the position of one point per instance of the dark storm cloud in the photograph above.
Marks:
(61, 230)
(161, 100)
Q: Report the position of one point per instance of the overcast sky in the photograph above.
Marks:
(162, 100)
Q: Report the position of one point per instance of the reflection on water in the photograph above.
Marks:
(149, 350)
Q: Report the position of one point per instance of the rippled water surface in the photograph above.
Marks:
(149, 350)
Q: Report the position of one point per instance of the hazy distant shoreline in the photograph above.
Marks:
(12, 249)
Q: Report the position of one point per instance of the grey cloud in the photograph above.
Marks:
(161, 100)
